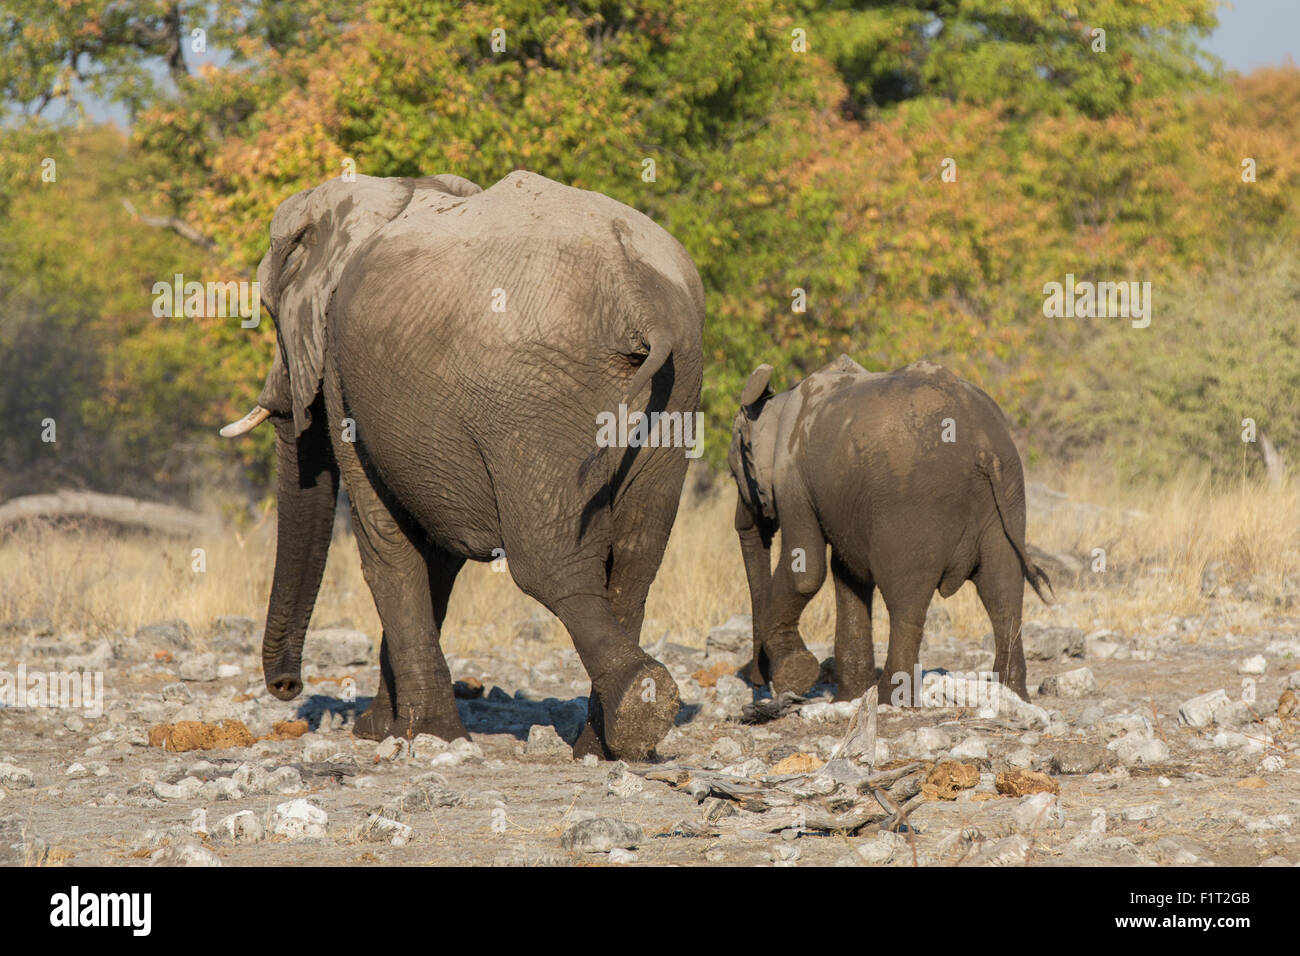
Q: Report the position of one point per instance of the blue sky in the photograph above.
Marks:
(1254, 33)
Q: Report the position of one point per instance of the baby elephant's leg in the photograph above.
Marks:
(855, 658)
(800, 571)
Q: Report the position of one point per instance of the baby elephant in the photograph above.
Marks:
(913, 480)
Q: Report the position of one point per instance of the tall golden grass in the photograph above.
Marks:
(1158, 541)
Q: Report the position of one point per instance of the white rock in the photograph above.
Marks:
(1234, 713)
(378, 829)
(241, 827)
(932, 738)
(620, 855)
(298, 820)
(1272, 764)
(1116, 725)
(16, 778)
(228, 670)
(184, 854)
(822, 711)
(186, 789)
(1135, 747)
(199, 667)
(948, 690)
(1079, 682)
(877, 852)
(251, 778)
(222, 788)
(1040, 811)
(736, 636)
(76, 771)
(285, 780)
(426, 745)
(1099, 646)
(972, 748)
(1199, 711)
(1269, 824)
(1246, 743)
(544, 741)
(1009, 851)
(1253, 665)
(1145, 811)
(467, 749)
(318, 750)
(1022, 758)
(392, 748)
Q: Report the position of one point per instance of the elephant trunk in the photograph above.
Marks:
(308, 481)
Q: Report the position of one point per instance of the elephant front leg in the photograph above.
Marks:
(799, 574)
(855, 658)
(755, 550)
(410, 704)
(411, 587)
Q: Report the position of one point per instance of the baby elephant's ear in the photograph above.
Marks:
(757, 386)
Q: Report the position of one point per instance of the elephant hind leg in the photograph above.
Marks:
(855, 658)
(410, 581)
(907, 600)
(634, 699)
(1000, 582)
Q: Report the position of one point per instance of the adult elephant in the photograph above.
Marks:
(913, 480)
(446, 351)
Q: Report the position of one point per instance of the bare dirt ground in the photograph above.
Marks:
(1137, 785)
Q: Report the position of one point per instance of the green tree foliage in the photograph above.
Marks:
(133, 395)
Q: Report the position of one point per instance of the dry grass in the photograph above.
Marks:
(1158, 542)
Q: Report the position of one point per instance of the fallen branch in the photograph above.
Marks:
(118, 509)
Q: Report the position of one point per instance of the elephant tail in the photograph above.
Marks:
(1035, 575)
(661, 349)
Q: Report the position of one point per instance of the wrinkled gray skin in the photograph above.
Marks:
(475, 429)
(857, 460)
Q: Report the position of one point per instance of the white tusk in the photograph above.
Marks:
(247, 423)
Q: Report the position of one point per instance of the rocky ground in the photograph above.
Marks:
(1133, 749)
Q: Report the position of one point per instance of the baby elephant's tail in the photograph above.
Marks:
(1035, 575)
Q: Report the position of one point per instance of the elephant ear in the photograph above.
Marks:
(314, 236)
(757, 387)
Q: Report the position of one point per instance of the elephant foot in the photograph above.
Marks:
(849, 692)
(589, 742)
(631, 711)
(1014, 679)
(851, 678)
(794, 672)
(378, 723)
(374, 723)
(753, 672)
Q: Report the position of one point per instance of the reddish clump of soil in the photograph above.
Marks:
(197, 735)
(1021, 783)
